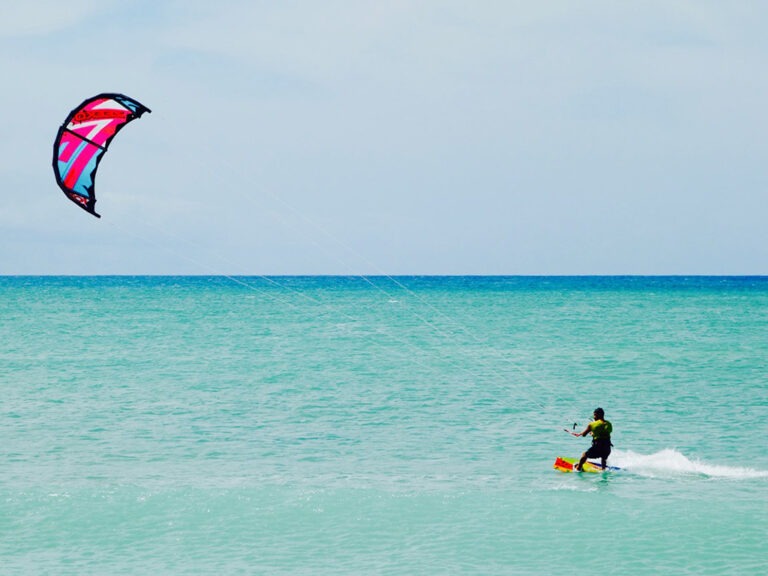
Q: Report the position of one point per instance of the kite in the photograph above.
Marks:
(82, 140)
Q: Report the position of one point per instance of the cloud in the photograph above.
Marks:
(431, 135)
(41, 17)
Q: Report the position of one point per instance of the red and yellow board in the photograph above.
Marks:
(566, 465)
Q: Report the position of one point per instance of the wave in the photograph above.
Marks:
(670, 462)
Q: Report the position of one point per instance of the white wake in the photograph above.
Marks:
(670, 462)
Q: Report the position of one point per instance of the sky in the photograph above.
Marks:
(392, 137)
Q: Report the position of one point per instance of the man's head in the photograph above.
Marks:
(599, 413)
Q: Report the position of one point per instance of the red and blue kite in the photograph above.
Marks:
(83, 139)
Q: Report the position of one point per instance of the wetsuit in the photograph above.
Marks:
(601, 439)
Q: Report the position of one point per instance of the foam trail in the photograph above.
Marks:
(670, 462)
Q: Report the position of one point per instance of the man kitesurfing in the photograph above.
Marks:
(601, 429)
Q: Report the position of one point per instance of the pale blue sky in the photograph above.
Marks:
(418, 137)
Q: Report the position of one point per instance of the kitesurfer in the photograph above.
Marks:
(601, 429)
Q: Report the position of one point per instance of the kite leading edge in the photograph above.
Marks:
(82, 140)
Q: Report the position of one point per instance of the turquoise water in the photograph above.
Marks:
(326, 425)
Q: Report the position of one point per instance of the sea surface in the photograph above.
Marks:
(403, 426)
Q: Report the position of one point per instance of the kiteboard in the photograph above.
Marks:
(566, 465)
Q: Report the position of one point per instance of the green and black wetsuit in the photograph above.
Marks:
(601, 439)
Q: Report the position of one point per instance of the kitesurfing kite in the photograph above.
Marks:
(83, 139)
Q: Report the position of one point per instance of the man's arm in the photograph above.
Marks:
(587, 430)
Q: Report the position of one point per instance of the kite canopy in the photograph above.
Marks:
(83, 139)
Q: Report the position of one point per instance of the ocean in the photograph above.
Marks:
(403, 426)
